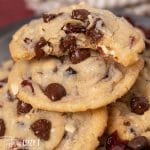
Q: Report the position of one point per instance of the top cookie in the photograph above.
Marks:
(78, 26)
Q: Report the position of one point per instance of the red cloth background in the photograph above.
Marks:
(12, 11)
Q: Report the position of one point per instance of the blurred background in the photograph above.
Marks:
(12, 11)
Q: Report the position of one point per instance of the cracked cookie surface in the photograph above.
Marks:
(78, 26)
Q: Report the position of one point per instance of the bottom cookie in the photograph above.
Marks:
(22, 127)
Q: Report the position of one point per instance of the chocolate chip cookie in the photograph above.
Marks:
(76, 27)
(84, 80)
(24, 127)
(130, 116)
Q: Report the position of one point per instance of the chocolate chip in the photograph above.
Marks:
(2, 82)
(80, 14)
(23, 108)
(113, 142)
(41, 129)
(139, 105)
(55, 91)
(55, 69)
(65, 135)
(2, 127)
(94, 32)
(132, 130)
(27, 40)
(138, 143)
(74, 28)
(71, 71)
(39, 47)
(48, 17)
(68, 43)
(39, 53)
(27, 83)
(79, 55)
(126, 123)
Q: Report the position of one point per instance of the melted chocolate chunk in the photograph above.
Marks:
(79, 55)
(139, 105)
(138, 143)
(94, 32)
(74, 28)
(23, 108)
(68, 43)
(113, 142)
(39, 47)
(41, 129)
(27, 83)
(55, 91)
(2, 128)
(80, 14)
(48, 17)
(27, 40)
(71, 71)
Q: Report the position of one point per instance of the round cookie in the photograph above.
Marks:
(56, 84)
(78, 26)
(28, 128)
(23, 127)
(130, 116)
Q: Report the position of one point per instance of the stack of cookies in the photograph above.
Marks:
(69, 66)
